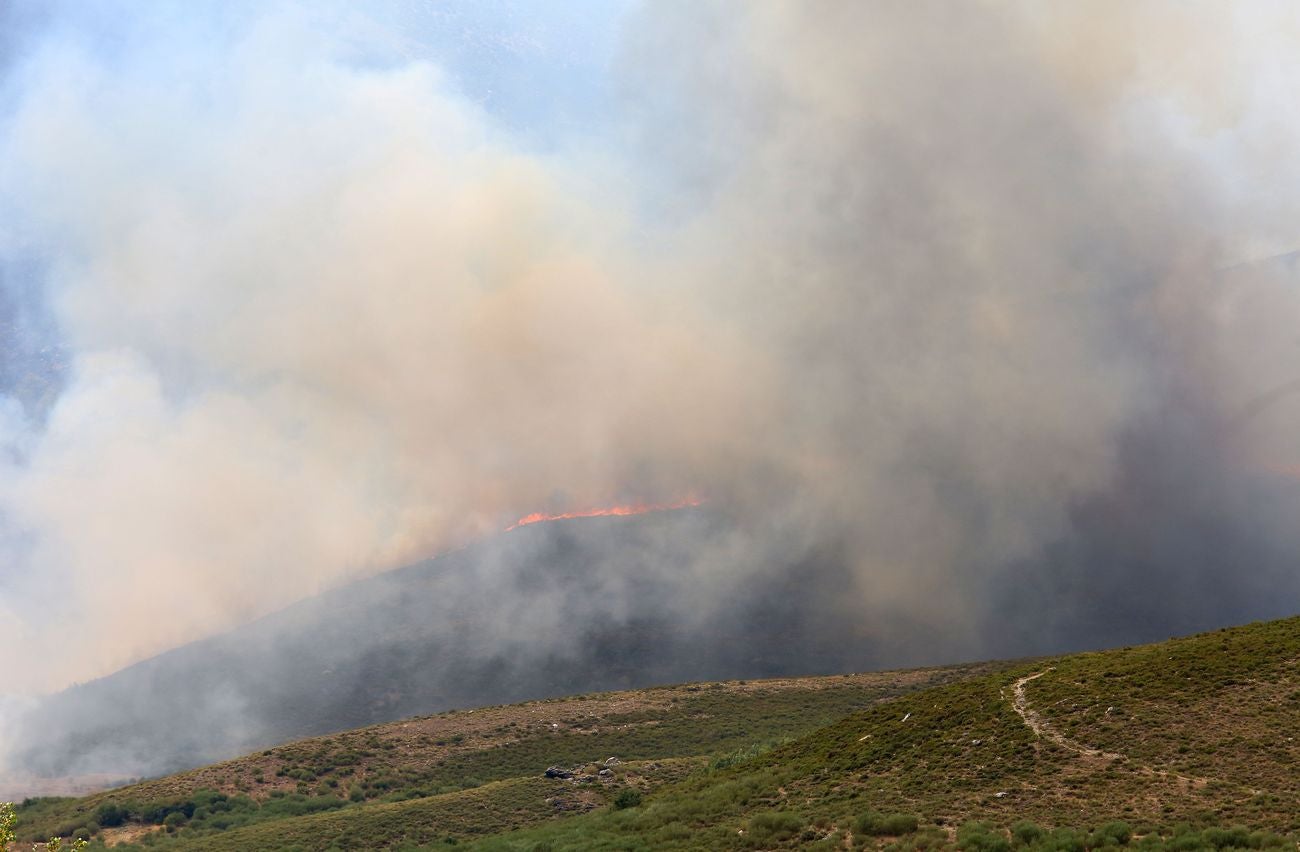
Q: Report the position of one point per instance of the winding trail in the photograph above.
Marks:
(1042, 729)
(1037, 724)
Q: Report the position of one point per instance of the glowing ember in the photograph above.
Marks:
(608, 511)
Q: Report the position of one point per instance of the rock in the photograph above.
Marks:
(558, 772)
(612, 761)
(1001, 794)
(606, 773)
(977, 742)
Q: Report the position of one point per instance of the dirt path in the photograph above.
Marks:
(1036, 723)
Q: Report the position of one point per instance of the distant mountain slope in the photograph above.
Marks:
(549, 609)
(590, 604)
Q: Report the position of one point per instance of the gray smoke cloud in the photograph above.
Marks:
(983, 243)
(955, 291)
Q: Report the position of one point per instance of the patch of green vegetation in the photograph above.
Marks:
(1221, 707)
(627, 799)
(907, 774)
(499, 806)
(884, 824)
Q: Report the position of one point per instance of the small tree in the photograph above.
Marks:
(7, 819)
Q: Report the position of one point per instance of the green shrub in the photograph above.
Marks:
(1064, 840)
(775, 825)
(978, 837)
(885, 824)
(110, 815)
(1189, 841)
(1227, 838)
(628, 798)
(1112, 834)
(7, 820)
(749, 752)
(1026, 833)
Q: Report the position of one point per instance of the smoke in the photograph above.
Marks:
(984, 243)
(323, 319)
(916, 283)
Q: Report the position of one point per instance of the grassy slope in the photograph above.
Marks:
(484, 810)
(1198, 730)
(436, 757)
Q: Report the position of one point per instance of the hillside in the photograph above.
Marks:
(551, 609)
(546, 610)
(1186, 744)
(1175, 741)
(419, 774)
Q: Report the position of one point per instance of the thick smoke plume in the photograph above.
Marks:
(985, 249)
(960, 292)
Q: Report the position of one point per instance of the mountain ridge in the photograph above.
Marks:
(545, 610)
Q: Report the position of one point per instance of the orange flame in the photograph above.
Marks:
(607, 511)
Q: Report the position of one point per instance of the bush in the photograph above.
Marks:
(885, 824)
(628, 798)
(7, 820)
(110, 815)
(978, 837)
(1064, 840)
(1112, 834)
(1026, 833)
(775, 825)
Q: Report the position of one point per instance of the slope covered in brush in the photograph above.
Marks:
(1182, 745)
(425, 777)
(1166, 739)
